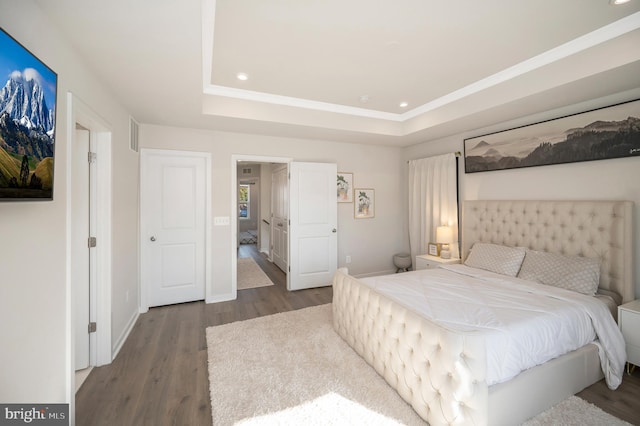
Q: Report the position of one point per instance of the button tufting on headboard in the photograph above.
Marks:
(600, 229)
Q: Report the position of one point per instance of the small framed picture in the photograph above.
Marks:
(364, 203)
(345, 187)
(433, 249)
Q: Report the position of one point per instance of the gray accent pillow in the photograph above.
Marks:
(496, 258)
(577, 273)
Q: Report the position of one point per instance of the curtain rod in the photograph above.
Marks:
(457, 154)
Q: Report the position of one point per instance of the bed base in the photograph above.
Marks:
(537, 389)
(440, 372)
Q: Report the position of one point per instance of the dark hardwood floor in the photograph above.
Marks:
(160, 376)
(623, 403)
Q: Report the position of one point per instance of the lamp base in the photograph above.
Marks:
(445, 254)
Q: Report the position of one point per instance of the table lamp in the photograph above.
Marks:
(444, 237)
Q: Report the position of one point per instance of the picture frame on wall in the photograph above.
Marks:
(28, 107)
(345, 187)
(598, 134)
(364, 203)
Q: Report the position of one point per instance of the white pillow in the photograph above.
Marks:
(577, 273)
(496, 258)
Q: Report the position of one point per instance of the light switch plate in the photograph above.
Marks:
(221, 220)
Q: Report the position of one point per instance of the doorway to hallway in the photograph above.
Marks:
(310, 224)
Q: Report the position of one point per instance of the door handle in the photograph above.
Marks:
(334, 230)
(279, 224)
(152, 238)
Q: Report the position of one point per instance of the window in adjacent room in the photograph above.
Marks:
(243, 201)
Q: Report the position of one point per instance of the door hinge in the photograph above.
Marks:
(92, 242)
(93, 157)
(92, 327)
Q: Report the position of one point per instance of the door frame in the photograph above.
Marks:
(100, 287)
(234, 209)
(144, 153)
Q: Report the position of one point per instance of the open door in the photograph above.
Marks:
(279, 222)
(80, 232)
(313, 215)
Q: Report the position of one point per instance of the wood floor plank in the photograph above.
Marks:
(182, 397)
(159, 373)
(623, 403)
(160, 376)
(119, 390)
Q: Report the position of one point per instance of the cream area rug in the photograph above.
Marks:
(293, 369)
(250, 275)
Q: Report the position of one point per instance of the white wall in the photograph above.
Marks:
(34, 324)
(615, 179)
(371, 243)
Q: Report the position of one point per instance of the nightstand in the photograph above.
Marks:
(629, 323)
(426, 261)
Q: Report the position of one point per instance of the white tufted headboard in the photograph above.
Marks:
(600, 229)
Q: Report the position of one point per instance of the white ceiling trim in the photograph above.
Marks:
(594, 38)
(250, 95)
(208, 22)
(208, 25)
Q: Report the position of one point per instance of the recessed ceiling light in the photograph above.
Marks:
(404, 104)
(618, 2)
(242, 76)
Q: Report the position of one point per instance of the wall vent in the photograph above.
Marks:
(133, 135)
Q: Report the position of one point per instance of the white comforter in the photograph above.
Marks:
(526, 323)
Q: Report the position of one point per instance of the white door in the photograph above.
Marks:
(173, 226)
(80, 270)
(313, 213)
(279, 218)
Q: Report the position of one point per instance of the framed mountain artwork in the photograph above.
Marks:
(27, 123)
(599, 134)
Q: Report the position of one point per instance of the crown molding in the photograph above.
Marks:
(589, 40)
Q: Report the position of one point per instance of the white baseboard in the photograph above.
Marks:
(81, 376)
(221, 298)
(125, 335)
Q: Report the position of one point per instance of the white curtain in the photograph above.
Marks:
(432, 201)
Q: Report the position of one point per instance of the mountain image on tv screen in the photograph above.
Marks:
(27, 123)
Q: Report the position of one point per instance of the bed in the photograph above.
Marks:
(442, 371)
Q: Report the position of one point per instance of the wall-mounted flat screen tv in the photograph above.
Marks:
(27, 123)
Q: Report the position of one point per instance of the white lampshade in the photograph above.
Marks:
(444, 235)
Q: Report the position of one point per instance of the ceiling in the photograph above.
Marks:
(338, 70)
